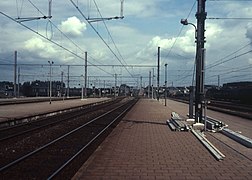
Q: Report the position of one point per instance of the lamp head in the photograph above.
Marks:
(184, 21)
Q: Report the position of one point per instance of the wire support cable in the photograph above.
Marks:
(83, 15)
(55, 43)
(237, 56)
(229, 18)
(180, 30)
(56, 27)
(112, 39)
(232, 71)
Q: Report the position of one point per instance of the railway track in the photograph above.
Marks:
(59, 150)
(27, 127)
(240, 110)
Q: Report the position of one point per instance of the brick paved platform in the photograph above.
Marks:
(143, 147)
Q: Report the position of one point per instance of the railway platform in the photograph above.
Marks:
(16, 111)
(143, 147)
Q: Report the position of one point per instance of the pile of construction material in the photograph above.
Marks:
(176, 123)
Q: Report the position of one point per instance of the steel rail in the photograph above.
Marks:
(78, 111)
(54, 174)
(5, 167)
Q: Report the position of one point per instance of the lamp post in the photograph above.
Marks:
(200, 57)
(50, 85)
(185, 22)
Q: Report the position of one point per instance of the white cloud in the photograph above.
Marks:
(40, 47)
(73, 26)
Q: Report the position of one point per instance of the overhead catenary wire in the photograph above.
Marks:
(55, 43)
(111, 50)
(216, 64)
(112, 39)
(180, 30)
(62, 33)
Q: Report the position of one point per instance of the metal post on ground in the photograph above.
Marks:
(165, 84)
(18, 82)
(85, 81)
(68, 69)
(191, 102)
(50, 85)
(152, 87)
(149, 84)
(15, 74)
(201, 17)
(115, 83)
(158, 69)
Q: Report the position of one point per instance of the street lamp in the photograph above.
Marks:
(50, 85)
(185, 22)
(200, 56)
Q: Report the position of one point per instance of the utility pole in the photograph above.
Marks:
(152, 90)
(218, 81)
(61, 84)
(18, 81)
(85, 82)
(15, 74)
(149, 84)
(115, 83)
(199, 93)
(165, 83)
(50, 85)
(104, 86)
(68, 69)
(158, 67)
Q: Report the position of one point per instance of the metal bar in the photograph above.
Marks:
(238, 137)
(213, 150)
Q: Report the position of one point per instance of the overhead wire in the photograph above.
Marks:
(180, 30)
(99, 35)
(112, 39)
(242, 54)
(62, 33)
(179, 33)
(50, 40)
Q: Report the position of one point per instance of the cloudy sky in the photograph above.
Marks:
(133, 40)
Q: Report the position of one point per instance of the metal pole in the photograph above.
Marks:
(201, 16)
(50, 85)
(104, 86)
(18, 81)
(152, 88)
(15, 74)
(82, 93)
(165, 84)
(115, 83)
(191, 102)
(149, 84)
(68, 68)
(85, 82)
(218, 81)
(158, 67)
(61, 85)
